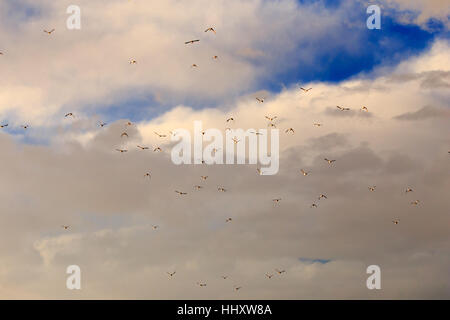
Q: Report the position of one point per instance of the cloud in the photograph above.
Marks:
(78, 179)
(424, 113)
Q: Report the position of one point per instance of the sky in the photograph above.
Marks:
(67, 170)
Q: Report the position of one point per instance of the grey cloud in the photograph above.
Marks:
(424, 113)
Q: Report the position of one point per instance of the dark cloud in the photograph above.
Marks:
(424, 113)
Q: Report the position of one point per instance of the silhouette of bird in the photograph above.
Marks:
(133, 62)
(160, 135)
(204, 177)
(322, 196)
(147, 175)
(122, 150)
(342, 108)
(415, 202)
(305, 90)
(49, 32)
(191, 41)
(364, 109)
(317, 124)
(181, 193)
(171, 274)
(143, 147)
(372, 188)
(408, 190)
(157, 149)
(25, 126)
(280, 271)
(395, 221)
(210, 29)
(70, 114)
(261, 100)
(314, 205)
(124, 134)
(290, 130)
(329, 161)
(197, 187)
(65, 227)
(270, 118)
(230, 119)
(269, 276)
(221, 189)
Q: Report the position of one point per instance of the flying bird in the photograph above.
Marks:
(290, 130)
(143, 147)
(133, 61)
(70, 114)
(269, 276)
(230, 119)
(415, 202)
(271, 118)
(314, 205)
(317, 124)
(65, 227)
(408, 190)
(148, 175)
(372, 188)
(157, 149)
(395, 221)
(155, 227)
(3, 125)
(322, 196)
(204, 177)
(102, 124)
(221, 189)
(210, 29)
(280, 271)
(272, 125)
(364, 109)
(197, 187)
(329, 161)
(191, 41)
(194, 65)
(342, 108)
(215, 57)
(228, 220)
(261, 100)
(25, 126)
(237, 288)
(122, 150)
(181, 193)
(171, 274)
(201, 284)
(304, 172)
(224, 277)
(124, 134)
(160, 135)
(305, 90)
(49, 32)
(277, 200)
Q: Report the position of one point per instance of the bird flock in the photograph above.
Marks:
(271, 123)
